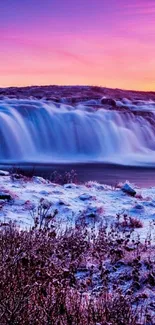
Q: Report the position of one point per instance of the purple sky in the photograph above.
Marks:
(96, 42)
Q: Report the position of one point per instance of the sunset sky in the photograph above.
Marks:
(90, 42)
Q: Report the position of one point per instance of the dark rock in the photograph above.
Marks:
(139, 207)
(91, 212)
(128, 189)
(4, 196)
(61, 202)
(71, 186)
(85, 197)
(108, 101)
(43, 192)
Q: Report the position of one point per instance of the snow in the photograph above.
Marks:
(71, 200)
(4, 173)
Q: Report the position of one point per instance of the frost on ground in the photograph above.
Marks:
(103, 251)
(73, 200)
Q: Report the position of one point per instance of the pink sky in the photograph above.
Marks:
(108, 43)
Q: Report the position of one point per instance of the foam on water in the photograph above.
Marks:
(40, 131)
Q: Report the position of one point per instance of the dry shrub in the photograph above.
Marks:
(38, 282)
(128, 222)
(17, 172)
(64, 178)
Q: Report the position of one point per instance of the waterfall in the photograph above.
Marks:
(46, 132)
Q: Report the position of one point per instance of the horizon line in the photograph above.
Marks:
(76, 85)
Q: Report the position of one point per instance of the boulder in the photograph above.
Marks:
(61, 202)
(43, 192)
(139, 207)
(4, 173)
(5, 196)
(92, 212)
(39, 180)
(70, 186)
(108, 101)
(85, 196)
(128, 189)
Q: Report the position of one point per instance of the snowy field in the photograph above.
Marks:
(95, 201)
(122, 214)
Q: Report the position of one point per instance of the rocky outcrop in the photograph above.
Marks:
(128, 189)
(108, 101)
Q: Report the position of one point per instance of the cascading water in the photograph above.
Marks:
(41, 131)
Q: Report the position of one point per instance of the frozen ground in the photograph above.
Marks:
(72, 201)
(91, 206)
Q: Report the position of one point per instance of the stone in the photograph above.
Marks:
(71, 186)
(4, 173)
(139, 207)
(85, 196)
(5, 196)
(128, 189)
(108, 101)
(39, 180)
(61, 202)
(43, 192)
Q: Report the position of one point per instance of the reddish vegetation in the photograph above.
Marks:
(128, 222)
(75, 277)
(64, 178)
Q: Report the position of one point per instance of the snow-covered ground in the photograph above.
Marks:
(95, 204)
(72, 201)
